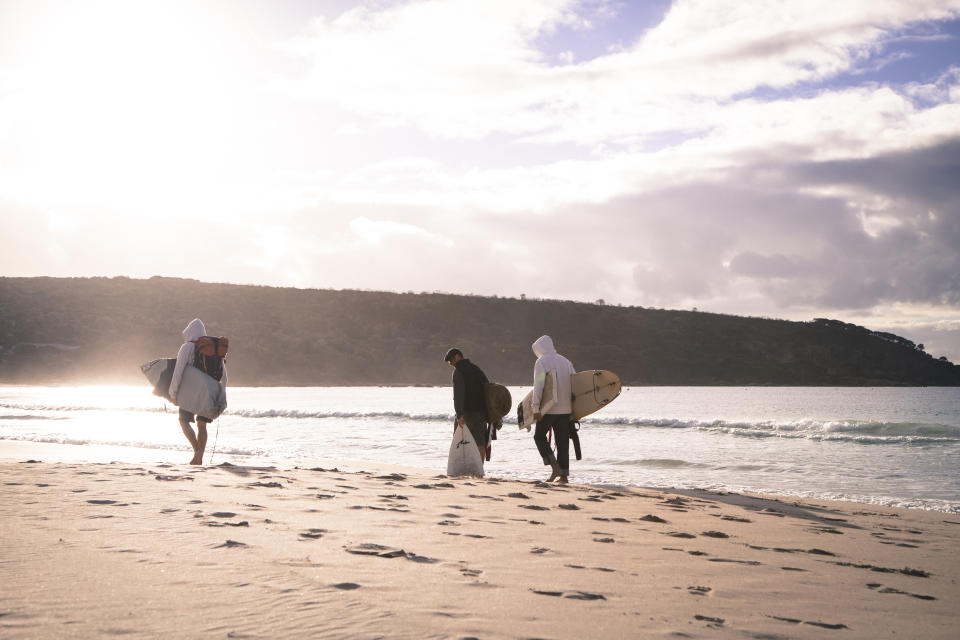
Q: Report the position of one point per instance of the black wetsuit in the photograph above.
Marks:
(468, 399)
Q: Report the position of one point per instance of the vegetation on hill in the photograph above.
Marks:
(57, 330)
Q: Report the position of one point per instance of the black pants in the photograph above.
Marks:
(477, 423)
(560, 423)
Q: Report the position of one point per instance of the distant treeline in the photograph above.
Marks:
(58, 330)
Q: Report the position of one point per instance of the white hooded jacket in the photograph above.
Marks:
(193, 331)
(549, 360)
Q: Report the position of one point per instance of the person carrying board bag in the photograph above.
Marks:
(469, 401)
(212, 365)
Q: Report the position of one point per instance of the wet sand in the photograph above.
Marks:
(168, 550)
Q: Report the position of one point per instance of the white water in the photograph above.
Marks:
(894, 446)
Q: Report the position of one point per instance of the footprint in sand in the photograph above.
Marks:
(573, 595)
(372, 549)
(171, 478)
(907, 571)
(732, 518)
(346, 586)
(825, 625)
(653, 518)
(718, 622)
(313, 534)
(230, 544)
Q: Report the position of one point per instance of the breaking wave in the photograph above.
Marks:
(862, 431)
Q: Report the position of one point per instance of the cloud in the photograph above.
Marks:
(468, 70)
(380, 232)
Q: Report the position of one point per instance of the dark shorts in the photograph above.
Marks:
(186, 416)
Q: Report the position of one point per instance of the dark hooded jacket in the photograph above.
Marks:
(468, 395)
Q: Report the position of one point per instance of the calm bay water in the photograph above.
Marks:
(893, 446)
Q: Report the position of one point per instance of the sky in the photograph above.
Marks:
(769, 158)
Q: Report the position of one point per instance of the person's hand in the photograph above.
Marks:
(536, 417)
(461, 421)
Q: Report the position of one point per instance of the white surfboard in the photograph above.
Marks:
(464, 458)
(198, 393)
(592, 390)
(547, 400)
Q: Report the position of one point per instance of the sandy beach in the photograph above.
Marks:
(160, 549)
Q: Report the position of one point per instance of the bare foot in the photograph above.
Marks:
(556, 471)
(197, 462)
(562, 480)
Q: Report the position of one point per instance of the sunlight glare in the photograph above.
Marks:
(118, 96)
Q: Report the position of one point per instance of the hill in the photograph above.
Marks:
(59, 330)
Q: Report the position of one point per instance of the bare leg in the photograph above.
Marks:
(201, 442)
(188, 431)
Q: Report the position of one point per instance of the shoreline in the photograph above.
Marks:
(150, 548)
(18, 450)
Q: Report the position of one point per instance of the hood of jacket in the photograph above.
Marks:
(194, 330)
(543, 346)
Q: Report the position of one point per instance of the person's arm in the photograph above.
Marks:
(539, 378)
(459, 393)
(184, 358)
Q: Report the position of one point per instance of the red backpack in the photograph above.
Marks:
(210, 346)
(209, 355)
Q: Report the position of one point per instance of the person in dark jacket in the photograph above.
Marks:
(468, 397)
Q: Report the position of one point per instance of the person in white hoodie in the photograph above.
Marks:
(187, 357)
(559, 417)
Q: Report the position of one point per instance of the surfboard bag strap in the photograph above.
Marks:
(575, 436)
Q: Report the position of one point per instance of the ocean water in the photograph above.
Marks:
(891, 446)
